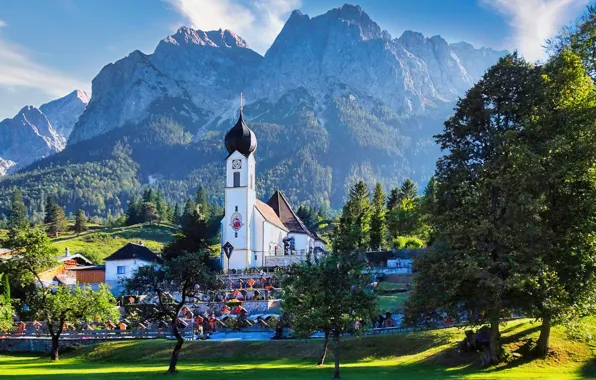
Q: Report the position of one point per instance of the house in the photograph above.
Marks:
(125, 261)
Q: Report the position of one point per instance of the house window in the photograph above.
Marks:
(236, 179)
(121, 270)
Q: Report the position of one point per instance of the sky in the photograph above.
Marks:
(48, 48)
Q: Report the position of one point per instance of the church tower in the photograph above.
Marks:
(240, 194)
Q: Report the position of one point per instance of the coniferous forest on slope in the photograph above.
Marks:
(313, 161)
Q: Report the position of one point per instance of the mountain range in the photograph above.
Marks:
(34, 133)
(334, 99)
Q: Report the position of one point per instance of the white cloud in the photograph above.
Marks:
(257, 21)
(534, 21)
(18, 69)
(3, 24)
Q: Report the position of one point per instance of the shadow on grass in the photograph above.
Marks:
(588, 370)
(286, 369)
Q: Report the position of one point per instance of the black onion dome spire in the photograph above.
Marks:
(241, 138)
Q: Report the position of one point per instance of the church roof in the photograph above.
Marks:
(241, 138)
(134, 251)
(282, 208)
(269, 214)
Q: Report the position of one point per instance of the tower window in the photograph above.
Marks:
(236, 208)
(236, 179)
(235, 234)
(252, 185)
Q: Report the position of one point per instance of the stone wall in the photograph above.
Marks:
(42, 345)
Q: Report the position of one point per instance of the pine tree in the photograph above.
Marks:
(393, 199)
(58, 222)
(49, 206)
(149, 196)
(188, 215)
(408, 190)
(177, 214)
(133, 213)
(161, 205)
(353, 232)
(308, 216)
(149, 213)
(80, 222)
(378, 227)
(203, 202)
(17, 217)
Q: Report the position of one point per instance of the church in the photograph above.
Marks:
(258, 234)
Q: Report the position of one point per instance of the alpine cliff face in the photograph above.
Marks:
(335, 98)
(198, 75)
(35, 133)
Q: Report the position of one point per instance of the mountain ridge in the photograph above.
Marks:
(334, 99)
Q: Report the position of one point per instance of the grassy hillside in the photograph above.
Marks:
(421, 355)
(99, 243)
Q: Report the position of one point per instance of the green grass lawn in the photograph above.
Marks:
(392, 302)
(102, 242)
(422, 355)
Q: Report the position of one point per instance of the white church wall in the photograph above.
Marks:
(302, 242)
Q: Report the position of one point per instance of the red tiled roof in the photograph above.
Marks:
(269, 214)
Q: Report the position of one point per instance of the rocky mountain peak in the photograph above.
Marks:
(63, 113)
(214, 38)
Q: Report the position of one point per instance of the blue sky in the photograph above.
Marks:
(50, 47)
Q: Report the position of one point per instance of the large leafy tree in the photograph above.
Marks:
(55, 305)
(558, 168)
(378, 225)
(579, 37)
(58, 305)
(479, 210)
(177, 282)
(353, 231)
(6, 310)
(329, 294)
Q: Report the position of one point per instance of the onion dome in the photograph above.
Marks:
(241, 138)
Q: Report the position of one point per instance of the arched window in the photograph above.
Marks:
(236, 179)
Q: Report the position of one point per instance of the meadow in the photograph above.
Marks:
(98, 243)
(417, 356)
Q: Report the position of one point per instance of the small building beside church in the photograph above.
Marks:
(124, 262)
(262, 234)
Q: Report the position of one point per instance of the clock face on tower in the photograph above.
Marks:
(236, 164)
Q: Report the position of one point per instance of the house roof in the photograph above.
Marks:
(269, 214)
(284, 211)
(74, 257)
(134, 251)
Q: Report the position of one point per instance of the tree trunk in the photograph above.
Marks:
(543, 340)
(325, 345)
(55, 339)
(177, 348)
(495, 343)
(336, 353)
